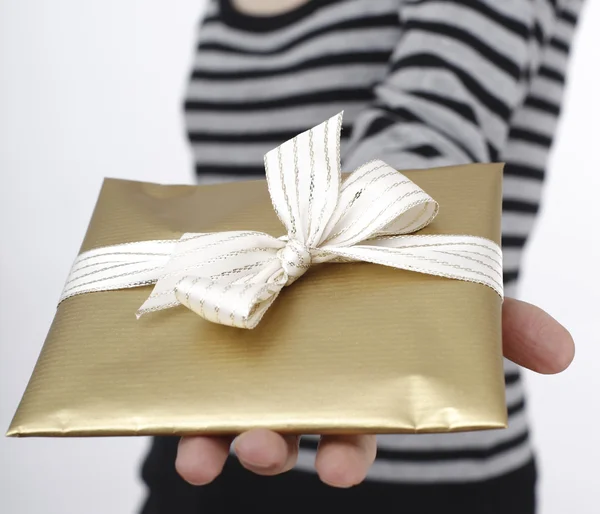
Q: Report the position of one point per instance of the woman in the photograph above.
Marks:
(423, 83)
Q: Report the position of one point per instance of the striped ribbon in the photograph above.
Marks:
(232, 278)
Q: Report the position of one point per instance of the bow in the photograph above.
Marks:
(232, 278)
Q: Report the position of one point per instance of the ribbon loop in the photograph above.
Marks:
(377, 200)
(303, 176)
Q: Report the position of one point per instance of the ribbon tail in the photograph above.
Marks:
(229, 278)
(237, 305)
(467, 258)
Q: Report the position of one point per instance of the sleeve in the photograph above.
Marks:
(530, 138)
(458, 74)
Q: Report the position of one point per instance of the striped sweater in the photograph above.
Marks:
(423, 83)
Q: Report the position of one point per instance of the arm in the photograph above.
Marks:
(459, 72)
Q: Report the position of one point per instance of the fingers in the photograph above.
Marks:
(265, 452)
(343, 461)
(201, 459)
(534, 339)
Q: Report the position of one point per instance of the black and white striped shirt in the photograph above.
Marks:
(423, 83)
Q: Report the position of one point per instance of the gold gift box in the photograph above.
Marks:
(349, 348)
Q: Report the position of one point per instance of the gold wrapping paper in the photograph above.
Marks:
(349, 348)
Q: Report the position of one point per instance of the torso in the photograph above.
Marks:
(254, 89)
(267, 70)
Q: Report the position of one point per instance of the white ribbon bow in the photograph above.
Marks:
(232, 278)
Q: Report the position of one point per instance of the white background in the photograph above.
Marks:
(93, 89)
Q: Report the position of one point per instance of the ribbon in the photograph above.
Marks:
(232, 278)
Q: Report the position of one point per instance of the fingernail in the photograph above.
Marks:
(240, 440)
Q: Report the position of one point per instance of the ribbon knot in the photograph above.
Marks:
(295, 260)
(232, 278)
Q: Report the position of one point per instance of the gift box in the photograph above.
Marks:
(355, 344)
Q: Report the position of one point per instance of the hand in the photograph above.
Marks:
(531, 338)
